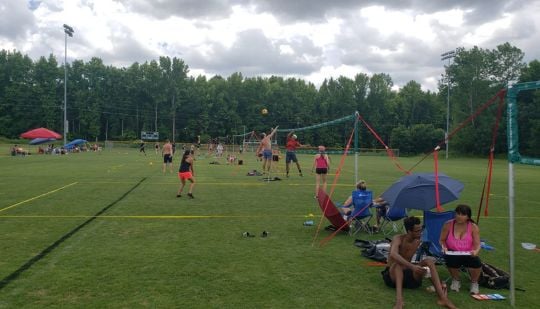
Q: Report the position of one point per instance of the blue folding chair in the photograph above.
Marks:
(390, 220)
(361, 215)
(433, 224)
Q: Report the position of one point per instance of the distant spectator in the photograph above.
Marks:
(219, 150)
(141, 148)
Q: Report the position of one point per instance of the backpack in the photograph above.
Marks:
(375, 250)
(493, 277)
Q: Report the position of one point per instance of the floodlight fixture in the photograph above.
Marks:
(447, 56)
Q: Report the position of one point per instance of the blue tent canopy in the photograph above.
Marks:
(41, 140)
(74, 143)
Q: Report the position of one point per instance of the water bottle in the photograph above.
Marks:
(308, 223)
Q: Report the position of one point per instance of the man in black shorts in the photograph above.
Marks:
(401, 273)
(167, 152)
(290, 155)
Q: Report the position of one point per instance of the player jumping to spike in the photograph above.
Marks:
(265, 147)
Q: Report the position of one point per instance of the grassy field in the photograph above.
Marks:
(105, 230)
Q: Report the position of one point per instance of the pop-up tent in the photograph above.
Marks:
(41, 140)
(40, 133)
(74, 143)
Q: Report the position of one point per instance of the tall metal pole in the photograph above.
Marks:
(173, 120)
(65, 88)
(447, 116)
(67, 31)
(448, 55)
(356, 150)
(511, 197)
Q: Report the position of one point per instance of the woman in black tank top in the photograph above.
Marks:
(186, 172)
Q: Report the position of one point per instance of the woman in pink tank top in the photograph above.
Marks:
(321, 165)
(460, 241)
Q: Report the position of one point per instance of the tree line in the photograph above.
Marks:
(106, 102)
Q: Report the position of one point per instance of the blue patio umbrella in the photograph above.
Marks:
(41, 140)
(74, 143)
(417, 191)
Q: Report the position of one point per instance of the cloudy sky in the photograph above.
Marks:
(308, 39)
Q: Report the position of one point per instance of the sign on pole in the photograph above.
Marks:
(154, 136)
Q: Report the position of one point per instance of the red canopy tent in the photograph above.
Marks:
(40, 133)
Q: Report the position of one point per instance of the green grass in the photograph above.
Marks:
(147, 248)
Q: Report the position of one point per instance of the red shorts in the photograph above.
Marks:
(185, 175)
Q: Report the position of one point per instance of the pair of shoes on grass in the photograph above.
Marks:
(248, 234)
(189, 194)
(456, 285)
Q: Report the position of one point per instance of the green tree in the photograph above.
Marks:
(378, 108)
(529, 112)
(19, 111)
(476, 75)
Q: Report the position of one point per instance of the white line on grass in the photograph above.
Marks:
(263, 183)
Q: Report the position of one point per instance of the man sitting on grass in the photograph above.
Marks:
(401, 273)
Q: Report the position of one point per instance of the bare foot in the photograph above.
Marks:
(399, 304)
(444, 289)
(446, 303)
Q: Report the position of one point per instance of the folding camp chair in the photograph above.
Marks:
(331, 212)
(361, 215)
(390, 220)
(433, 224)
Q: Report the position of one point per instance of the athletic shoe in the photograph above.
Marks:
(190, 195)
(455, 285)
(474, 288)
(179, 195)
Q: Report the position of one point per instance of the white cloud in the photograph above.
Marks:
(309, 39)
(486, 31)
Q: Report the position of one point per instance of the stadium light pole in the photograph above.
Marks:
(448, 55)
(67, 31)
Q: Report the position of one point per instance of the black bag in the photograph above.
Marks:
(494, 278)
(375, 250)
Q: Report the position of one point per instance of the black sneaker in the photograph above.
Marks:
(190, 195)
(247, 234)
(179, 195)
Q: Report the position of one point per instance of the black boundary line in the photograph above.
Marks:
(14, 275)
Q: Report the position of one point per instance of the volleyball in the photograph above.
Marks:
(264, 111)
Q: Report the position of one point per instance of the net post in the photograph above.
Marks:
(356, 147)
